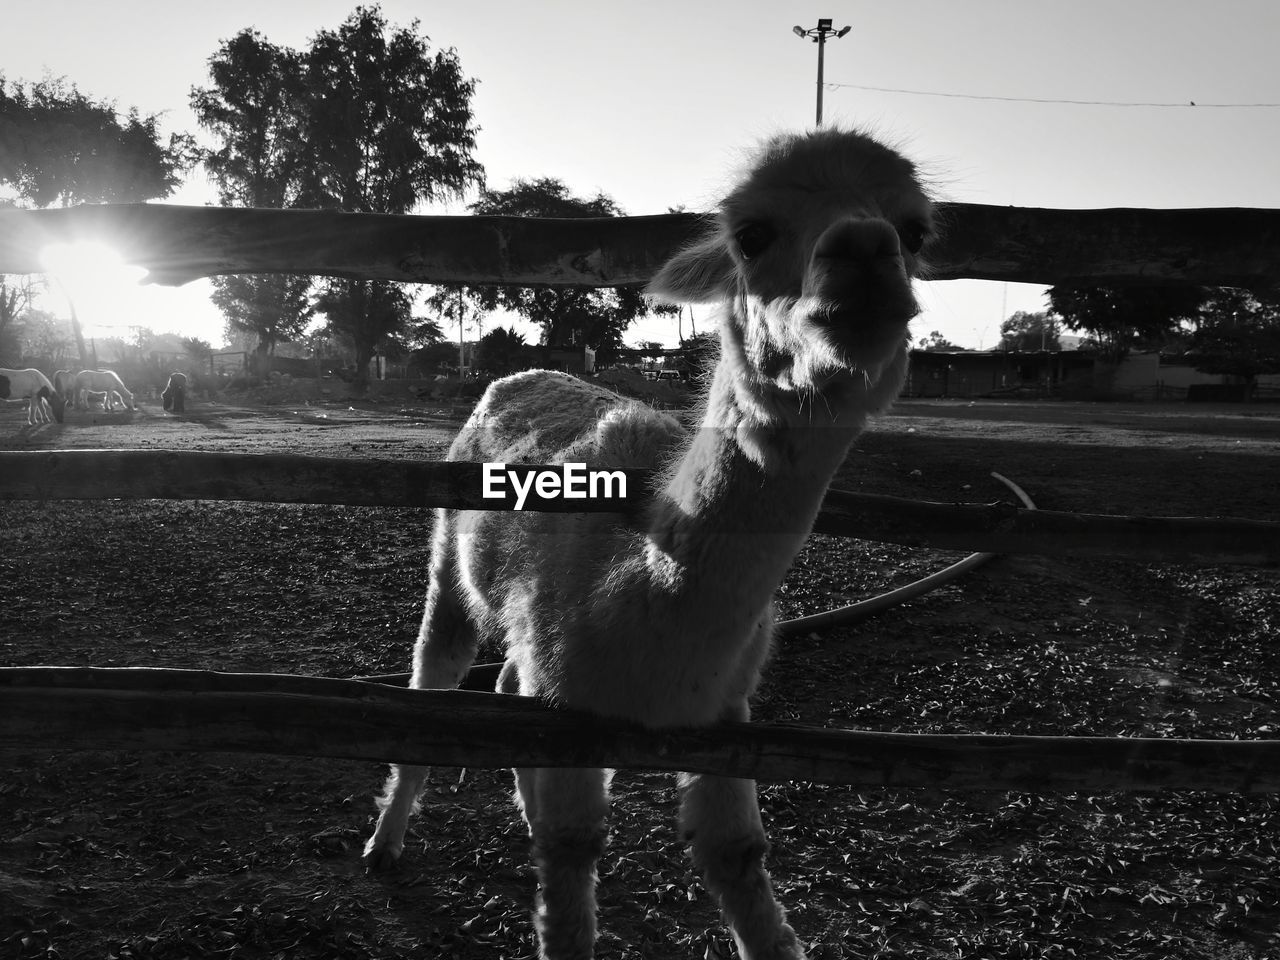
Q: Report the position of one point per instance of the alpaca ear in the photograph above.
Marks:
(700, 273)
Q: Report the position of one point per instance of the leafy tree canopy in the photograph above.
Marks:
(253, 109)
(197, 349)
(501, 351)
(365, 313)
(59, 146)
(424, 332)
(44, 336)
(274, 308)
(1118, 319)
(935, 341)
(1030, 331)
(16, 296)
(1238, 333)
(367, 119)
(388, 124)
(568, 317)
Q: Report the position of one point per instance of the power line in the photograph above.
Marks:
(1082, 103)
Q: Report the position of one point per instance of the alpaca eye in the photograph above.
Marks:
(753, 239)
(912, 236)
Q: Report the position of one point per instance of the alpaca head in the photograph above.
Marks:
(813, 252)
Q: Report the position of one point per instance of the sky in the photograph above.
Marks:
(653, 103)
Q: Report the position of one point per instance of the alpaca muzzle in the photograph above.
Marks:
(859, 272)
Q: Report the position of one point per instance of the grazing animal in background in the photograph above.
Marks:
(45, 405)
(175, 393)
(102, 381)
(96, 398)
(64, 384)
(668, 620)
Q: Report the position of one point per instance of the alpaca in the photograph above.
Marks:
(668, 621)
(102, 381)
(175, 393)
(45, 404)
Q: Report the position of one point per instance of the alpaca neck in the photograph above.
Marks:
(738, 505)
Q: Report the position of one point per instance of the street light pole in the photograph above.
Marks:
(819, 35)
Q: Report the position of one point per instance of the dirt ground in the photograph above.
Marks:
(115, 855)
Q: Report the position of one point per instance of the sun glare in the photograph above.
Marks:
(98, 285)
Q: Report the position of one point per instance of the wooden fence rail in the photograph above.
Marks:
(284, 478)
(1217, 246)
(142, 709)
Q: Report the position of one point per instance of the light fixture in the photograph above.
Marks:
(819, 35)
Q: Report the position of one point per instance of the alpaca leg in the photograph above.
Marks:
(720, 818)
(568, 832)
(526, 781)
(445, 650)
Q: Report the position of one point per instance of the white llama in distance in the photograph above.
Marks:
(668, 621)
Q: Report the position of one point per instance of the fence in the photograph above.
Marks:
(174, 709)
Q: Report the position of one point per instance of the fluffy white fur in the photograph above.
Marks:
(669, 621)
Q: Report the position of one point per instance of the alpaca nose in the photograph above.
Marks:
(858, 240)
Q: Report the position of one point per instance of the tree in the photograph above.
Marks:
(501, 351)
(272, 308)
(366, 119)
(364, 313)
(936, 342)
(1237, 334)
(457, 310)
(16, 295)
(1121, 318)
(437, 356)
(425, 333)
(45, 337)
(197, 349)
(59, 147)
(253, 109)
(568, 317)
(387, 126)
(1030, 331)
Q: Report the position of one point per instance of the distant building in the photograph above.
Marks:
(1069, 374)
(967, 373)
(568, 359)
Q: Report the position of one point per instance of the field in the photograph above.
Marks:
(115, 855)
